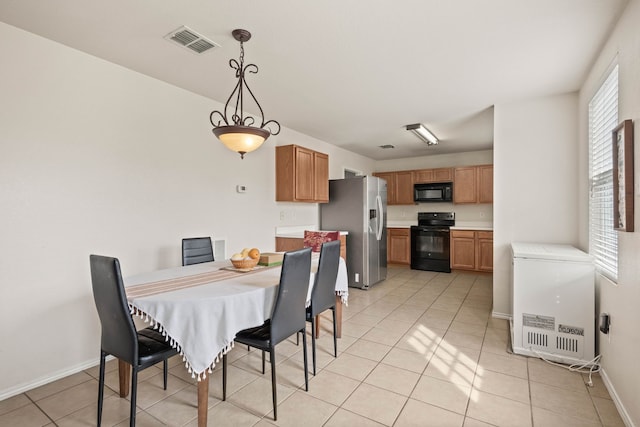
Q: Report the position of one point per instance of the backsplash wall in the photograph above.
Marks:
(465, 213)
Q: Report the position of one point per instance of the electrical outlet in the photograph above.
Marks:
(605, 322)
(282, 215)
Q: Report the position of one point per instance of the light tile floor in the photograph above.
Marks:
(419, 349)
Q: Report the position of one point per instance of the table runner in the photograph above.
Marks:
(185, 282)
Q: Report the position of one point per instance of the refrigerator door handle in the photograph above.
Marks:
(380, 217)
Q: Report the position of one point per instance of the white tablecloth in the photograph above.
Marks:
(202, 321)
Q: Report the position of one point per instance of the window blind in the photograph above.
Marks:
(603, 118)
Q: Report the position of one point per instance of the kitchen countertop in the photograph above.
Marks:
(473, 225)
(401, 224)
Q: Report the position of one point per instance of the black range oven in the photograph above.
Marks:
(430, 241)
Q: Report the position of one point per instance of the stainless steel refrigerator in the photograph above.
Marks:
(359, 205)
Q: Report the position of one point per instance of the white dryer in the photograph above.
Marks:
(553, 302)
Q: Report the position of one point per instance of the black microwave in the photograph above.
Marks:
(433, 192)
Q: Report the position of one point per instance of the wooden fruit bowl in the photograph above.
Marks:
(245, 263)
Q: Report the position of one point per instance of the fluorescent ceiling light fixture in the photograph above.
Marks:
(423, 133)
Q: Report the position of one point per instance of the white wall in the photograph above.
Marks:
(480, 212)
(621, 347)
(535, 181)
(95, 158)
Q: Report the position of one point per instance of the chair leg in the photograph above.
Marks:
(101, 387)
(224, 377)
(313, 343)
(306, 364)
(274, 393)
(134, 391)
(165, 371)
(262, 362)
(335, 335)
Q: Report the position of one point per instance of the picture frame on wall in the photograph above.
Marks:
(623, 176)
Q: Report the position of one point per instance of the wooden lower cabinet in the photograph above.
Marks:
(398, 245)
(472, 250)
(285, 244)
(463, 249)
(485, 250)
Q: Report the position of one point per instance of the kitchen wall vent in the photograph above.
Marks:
(220, 249)
(189, 39)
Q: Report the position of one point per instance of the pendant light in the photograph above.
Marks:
(230, 126)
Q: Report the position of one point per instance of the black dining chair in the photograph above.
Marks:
(323, 294)
(141, 349)
(196, 250)
(287, 316)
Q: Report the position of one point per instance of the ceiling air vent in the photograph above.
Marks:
(191, 40)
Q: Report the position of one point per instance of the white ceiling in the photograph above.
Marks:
(351, 73)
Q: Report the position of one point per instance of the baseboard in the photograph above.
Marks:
(21, 388)
(500, 315)
(628, 422)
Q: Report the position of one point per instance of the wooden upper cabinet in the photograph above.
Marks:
(399, 187)
(390, 177)
(433, 175)
(404, 188)
(473, 184)
(302, 175)
(321, 178)
(422, 176)
(485, 184)
(464, 185)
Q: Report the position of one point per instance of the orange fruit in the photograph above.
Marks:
(254, 253)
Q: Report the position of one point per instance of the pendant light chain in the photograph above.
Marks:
(237, 119)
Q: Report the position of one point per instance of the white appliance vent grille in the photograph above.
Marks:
(553, 342)
(537, 339)
(569, 345)
(192, 40)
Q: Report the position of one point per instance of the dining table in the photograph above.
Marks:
(199, 309)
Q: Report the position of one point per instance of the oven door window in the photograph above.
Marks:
(429, 244)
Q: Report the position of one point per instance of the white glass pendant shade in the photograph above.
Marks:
(241, 139)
